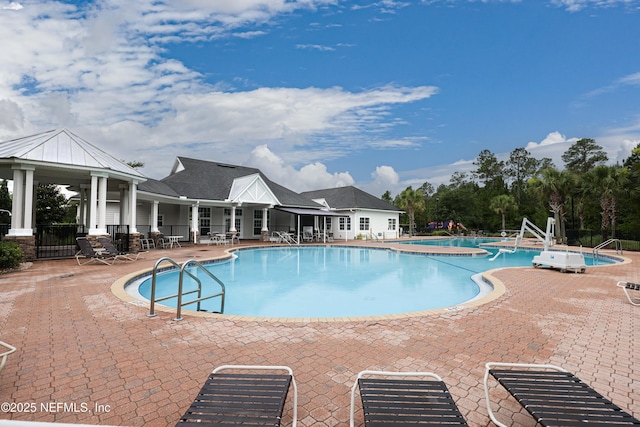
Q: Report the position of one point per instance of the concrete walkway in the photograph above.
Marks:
(86, 356)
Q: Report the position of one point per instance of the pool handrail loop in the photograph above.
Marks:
(179, 295)
(152, 297)
(200, 298)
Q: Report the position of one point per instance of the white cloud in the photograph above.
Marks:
(13, 6)
(552, 138)
(312, 176)
(577, 5)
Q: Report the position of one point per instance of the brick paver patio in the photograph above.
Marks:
(86, 356)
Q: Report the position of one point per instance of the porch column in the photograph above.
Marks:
(82, 207)
(154, 217)
(194, 222)
(232, 228)
(265, 226)
(29, 211)
(133, 199)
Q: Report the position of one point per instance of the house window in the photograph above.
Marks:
(345, 223)
(227, 225)
(160, 220)
(204, 218)
(257, 221)
(364, 224)
(391, 224)
(227, 212)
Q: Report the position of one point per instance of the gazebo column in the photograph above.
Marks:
(22, 208)
(98, 217)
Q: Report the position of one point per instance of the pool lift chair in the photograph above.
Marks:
(389, 400)
(554, 396)
(563, 261)
(243, 396)
(631, 290)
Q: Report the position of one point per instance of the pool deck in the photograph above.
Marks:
(82, 347)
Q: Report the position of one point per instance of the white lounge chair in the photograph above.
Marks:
(631, 290)
(5, 354)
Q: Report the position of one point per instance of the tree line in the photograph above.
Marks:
(587, 194)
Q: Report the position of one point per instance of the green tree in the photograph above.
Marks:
(554, 185)
(410, 200)
(608, 183)
(387, 197)
(489, 171)
(520, 167)
(501, 204)
(583, 156)
(51, 205)
(5, 203)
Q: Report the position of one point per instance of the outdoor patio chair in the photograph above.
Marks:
(243, 398)
(401, 401)
(631, 290)
(88, 253)
(147, 243)
(5, 354)
(554, 396)
(110, 249)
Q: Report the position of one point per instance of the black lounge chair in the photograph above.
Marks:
(243, 399)
(554, 396)
(88, 253)
(404, 402)
(628, 288)
(110, 249)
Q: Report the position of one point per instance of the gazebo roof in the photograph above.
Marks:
(63, 147)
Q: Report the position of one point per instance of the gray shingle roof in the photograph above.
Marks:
(206, 180)
(350, 198)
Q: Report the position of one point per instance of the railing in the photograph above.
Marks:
(618, 246)
(180, 294)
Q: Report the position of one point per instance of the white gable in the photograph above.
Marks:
(252, 189)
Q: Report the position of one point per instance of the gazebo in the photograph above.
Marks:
(61, 157)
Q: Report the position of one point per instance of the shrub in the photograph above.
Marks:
(10, 255)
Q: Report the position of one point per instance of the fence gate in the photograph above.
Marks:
(57, 241)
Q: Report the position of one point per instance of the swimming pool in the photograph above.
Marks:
(333, 281)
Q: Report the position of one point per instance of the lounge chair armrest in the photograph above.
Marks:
(490, 365)
(9, 349)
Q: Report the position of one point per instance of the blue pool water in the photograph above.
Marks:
(330, 281)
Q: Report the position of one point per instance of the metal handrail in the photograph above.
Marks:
(152, 297)
(200, 298)
(180, 293)
(618, 249)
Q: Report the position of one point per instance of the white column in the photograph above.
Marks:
(82, 213)
(154, 217)
(92, 205)
(233, 220)
(265, 226)
(102, 204)
(28, 202)
(17, 203)
(195, 222)
(123, 214)
(133, 200)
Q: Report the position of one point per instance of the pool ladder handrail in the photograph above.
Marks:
(618, 247)
(180, 294)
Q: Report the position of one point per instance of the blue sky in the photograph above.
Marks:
(323, 93)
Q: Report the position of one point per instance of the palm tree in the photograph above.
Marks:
(411, 200)
(608, 183)
(501, 204)
(555, 185)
